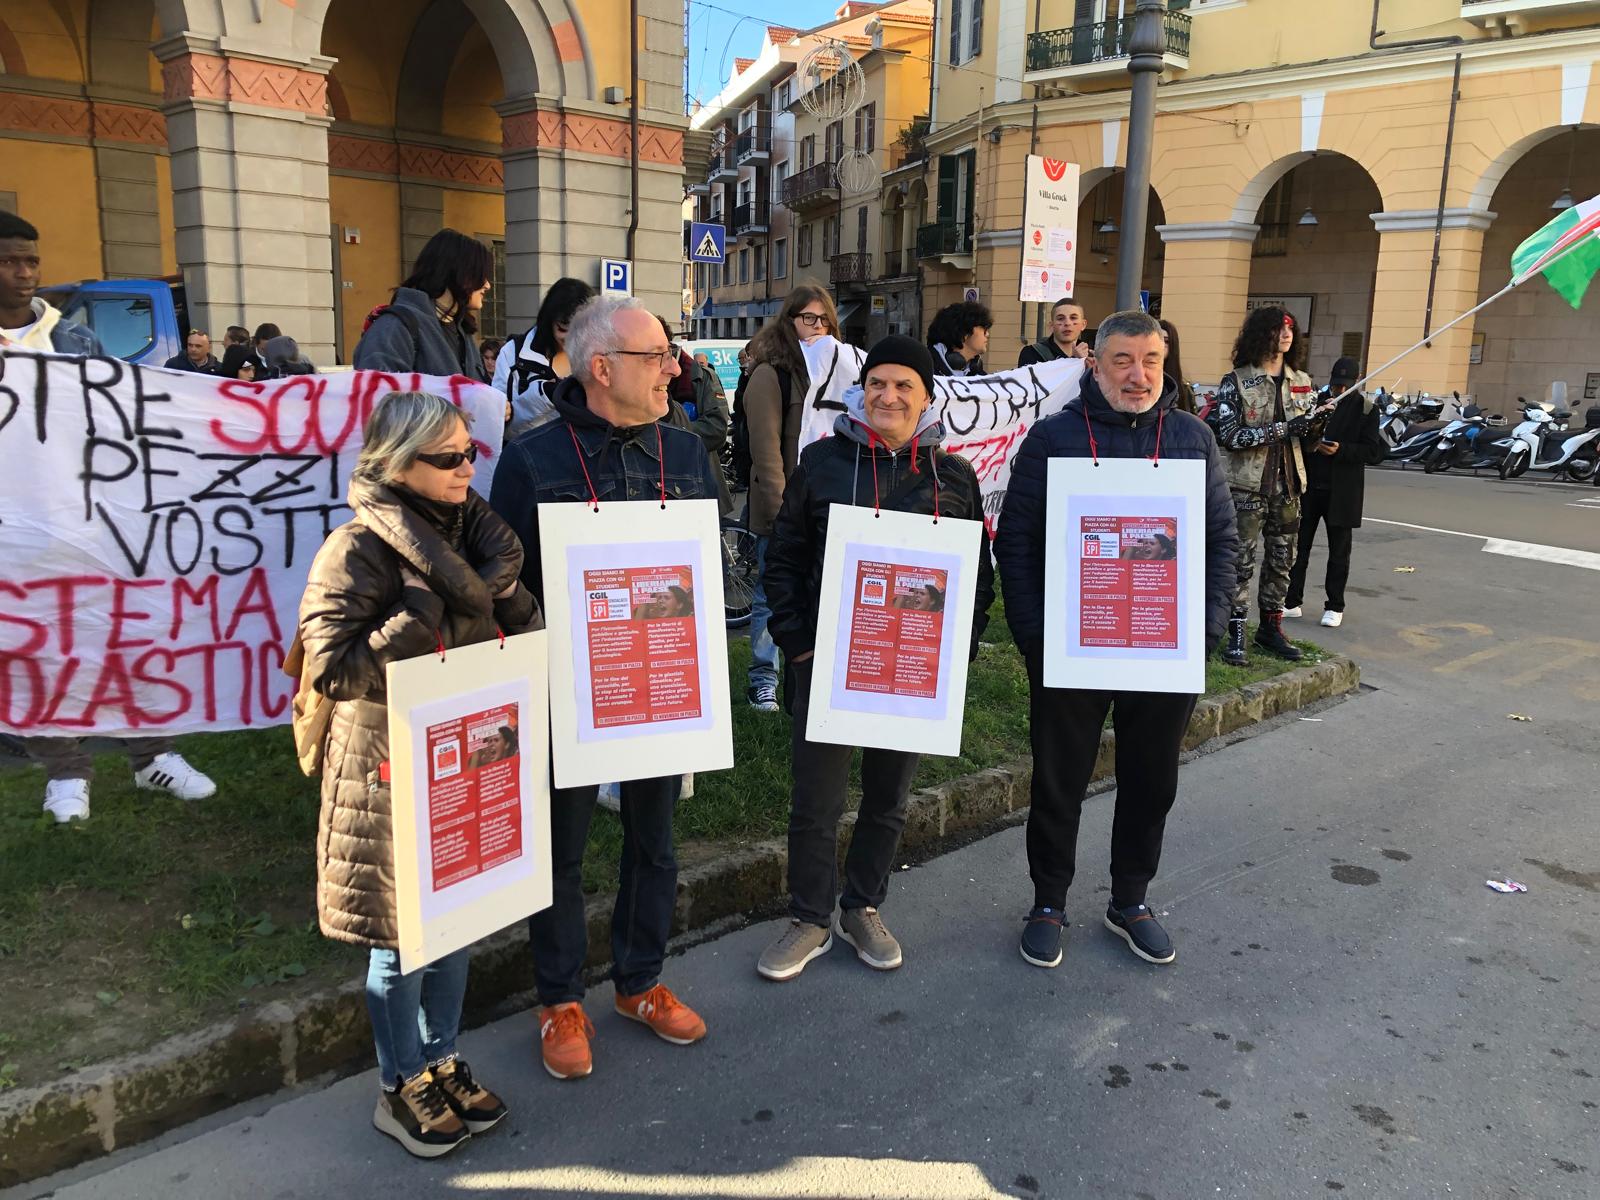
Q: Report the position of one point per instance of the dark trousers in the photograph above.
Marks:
(646, 892)
(821, 773)
(1314, 509)
(1065, 725)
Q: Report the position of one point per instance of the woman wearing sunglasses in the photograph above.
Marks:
(773, 399)
(424, 563)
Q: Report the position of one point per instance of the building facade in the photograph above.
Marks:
(833, 218)
(1329, 157)
(287, 159)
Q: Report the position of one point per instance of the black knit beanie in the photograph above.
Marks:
(902, 352)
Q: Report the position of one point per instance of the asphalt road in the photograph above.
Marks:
(1352, 1011)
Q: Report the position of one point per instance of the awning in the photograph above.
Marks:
(847, 310)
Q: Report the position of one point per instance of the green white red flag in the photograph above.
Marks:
(1566, 251)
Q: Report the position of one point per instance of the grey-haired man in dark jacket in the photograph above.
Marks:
(1124, 410)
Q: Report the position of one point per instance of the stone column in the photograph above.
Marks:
(1205, 281)
(567, 190)
(249, 143)
(1400, 296)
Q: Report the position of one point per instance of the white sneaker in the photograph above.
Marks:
(170, 773)
(1293, 612)
(67, 800)
(1332, 619)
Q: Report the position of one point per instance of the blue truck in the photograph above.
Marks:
(141, 321)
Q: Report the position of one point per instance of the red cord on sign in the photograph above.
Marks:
(933, 464)
(502, 635)
(1094, 447)
(661, 458)
(1161, 418)
(594, 499)
(439, 637)
(872, 449)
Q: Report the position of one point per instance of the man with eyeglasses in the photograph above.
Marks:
(196, 356)
(608, 443)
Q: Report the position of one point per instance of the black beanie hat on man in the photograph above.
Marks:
(902, 352)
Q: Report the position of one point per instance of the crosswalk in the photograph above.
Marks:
(1589, 502)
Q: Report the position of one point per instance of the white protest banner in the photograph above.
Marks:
(1124, 575)
(1049, 229)
(985, 417)
(638, 649)
(469, 793)
(893, 631)
(156, 530)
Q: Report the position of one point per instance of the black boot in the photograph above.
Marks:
(1269, 636)
(1233, 652)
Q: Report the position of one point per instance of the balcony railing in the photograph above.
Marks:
(891, 262)
(814, 185)
(752, 143)
(855, 267)
(943, 237)
(751, 217)
(722, 167)
(1098, 41)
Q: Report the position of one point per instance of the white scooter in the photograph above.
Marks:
(1537, 444)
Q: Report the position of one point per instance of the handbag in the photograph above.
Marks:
(310, 713)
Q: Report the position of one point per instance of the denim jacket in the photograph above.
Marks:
(634, 463)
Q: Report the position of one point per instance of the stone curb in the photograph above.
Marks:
(129, 1100)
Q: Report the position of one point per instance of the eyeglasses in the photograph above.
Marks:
(452, 460)
(811, 320)
(662, 357)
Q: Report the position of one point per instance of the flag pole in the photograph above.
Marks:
(1516, 281)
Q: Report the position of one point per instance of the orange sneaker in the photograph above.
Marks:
(668, 1017)
(564, 1033)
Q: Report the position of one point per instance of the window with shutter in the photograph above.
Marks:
(955, 32)
(975, 34)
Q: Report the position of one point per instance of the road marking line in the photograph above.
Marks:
(1551, 554)
(1493, 545)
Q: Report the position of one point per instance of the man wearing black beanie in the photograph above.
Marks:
(904, 352)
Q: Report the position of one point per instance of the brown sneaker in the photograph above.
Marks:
(418, 1116)
(480, 1109)
(564, 1033)
(668, 1017)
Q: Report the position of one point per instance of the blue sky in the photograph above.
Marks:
(716, 37)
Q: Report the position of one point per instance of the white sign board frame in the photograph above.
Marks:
(1049, 230)
(632, 535)
(841, 716)
(424, 693)
(1080, 488)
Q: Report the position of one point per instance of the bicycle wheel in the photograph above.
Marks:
(739, 575)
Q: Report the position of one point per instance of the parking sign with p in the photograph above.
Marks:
(616, 277)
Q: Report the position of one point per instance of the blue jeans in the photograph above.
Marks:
(415, 1017)
(763, 650)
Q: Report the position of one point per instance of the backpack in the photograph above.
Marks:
(739, 426)
(310, 713)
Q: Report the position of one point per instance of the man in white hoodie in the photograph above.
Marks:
(29, 322)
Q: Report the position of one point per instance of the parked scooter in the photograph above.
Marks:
(1470, 441)
(1537, 444)
(1422, 425)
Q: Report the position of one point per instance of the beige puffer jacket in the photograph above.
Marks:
(356, 617)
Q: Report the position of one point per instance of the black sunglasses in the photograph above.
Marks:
(452, 460)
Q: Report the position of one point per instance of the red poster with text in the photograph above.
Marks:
(474, 794)
(1129, 582)
(896, 630)
(644, 653)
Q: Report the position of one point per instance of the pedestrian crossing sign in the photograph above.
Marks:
(708, 243)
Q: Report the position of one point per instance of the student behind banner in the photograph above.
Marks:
(1263, 407)
(529, 366)
(196, 357)
(1124, 410)
(429, 323)
(608, 444)
(424, 564)
(958, 337)
(772, 399)
(1066, 331)
(884, 454)
(1336, 467)
(240, 362)
(30, 322)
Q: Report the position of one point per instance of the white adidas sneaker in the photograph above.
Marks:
(1293, 612)
(67, 800)
(1332, 619)
(169, 772)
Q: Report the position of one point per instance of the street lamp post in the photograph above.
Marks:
(1145, 48)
